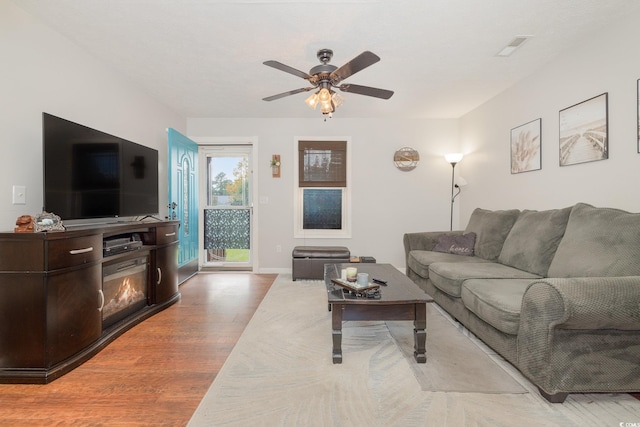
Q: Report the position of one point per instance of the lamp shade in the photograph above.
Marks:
(453, 157)
(312, 101)
(324, 95)
(337, 99)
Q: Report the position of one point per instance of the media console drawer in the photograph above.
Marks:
(75, 251)
(166, 234)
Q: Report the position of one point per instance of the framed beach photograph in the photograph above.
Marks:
(584, 131)
(526, 148)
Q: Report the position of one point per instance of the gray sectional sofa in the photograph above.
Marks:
(556, 293)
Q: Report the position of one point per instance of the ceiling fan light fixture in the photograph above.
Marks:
(337, 99)
(324, 95)
(312, 101)
(326, 107)
(327, 99)
(325, 77)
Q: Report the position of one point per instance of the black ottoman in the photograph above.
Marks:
(309, 261)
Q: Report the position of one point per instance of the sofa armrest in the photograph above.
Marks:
(578, 334)
(583, 303)
(423, 241)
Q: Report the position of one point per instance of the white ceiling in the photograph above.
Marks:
(204, 58)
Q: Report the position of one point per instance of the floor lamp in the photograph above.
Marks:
(453, 159)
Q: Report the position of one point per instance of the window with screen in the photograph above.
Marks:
(322, 191)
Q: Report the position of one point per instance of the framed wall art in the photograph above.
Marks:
(526, 147)
(584, 131)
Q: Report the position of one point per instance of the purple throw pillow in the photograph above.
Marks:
(458, 244)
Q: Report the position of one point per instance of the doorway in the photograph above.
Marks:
(227, 207)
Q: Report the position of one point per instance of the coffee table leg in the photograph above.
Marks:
(336, 326)
(420, 333)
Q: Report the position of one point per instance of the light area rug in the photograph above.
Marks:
(280, 373)
(454, 362)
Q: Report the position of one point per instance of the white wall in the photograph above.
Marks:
(386, 201)
(606, 63)
(43, 72)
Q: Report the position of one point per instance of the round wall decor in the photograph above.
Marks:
(406, 159)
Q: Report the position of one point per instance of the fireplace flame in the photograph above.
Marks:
(126, 295)
(125, 292)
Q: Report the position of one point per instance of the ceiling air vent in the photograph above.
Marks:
(513, 45)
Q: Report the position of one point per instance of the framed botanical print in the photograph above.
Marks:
(526, 147)
(584, 131)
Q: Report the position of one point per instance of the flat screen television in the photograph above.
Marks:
(91, 174)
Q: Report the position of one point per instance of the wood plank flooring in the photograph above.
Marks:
(156, 373)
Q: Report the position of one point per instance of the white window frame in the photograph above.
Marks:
(298, 231)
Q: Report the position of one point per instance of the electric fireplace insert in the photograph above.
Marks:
(124, 289)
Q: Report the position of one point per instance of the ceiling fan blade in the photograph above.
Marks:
(366, 90)
(283, 94)
(280, 66)
(358, 63)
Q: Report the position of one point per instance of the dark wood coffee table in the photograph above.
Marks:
(401, 299)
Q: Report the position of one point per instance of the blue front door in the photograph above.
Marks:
(183, 193)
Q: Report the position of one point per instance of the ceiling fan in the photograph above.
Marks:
(325, 77)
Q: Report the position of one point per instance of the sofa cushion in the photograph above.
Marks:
(533, 240)
(496, 301)
(419, 261)
(491, 228)
(456, 244)
(449, 276)
(598, 242)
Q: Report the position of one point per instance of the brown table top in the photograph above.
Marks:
(399, 288)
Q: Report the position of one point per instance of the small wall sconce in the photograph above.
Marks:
(275, 165)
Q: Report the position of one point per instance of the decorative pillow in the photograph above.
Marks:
(491, 228)
(598, 242)
(456, 244)
(533, 240)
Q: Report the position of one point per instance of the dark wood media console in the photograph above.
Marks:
(51, 294)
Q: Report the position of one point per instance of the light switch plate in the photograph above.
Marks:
(19, 195)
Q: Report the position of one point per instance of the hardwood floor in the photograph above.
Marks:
(157, 372)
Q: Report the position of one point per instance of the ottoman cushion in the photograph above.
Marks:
(321, 252)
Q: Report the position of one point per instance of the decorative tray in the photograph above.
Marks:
(354, 286)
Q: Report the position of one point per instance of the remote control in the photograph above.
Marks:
(379, 281)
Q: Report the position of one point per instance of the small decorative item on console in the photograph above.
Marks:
(48, 222)
(24, 224)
